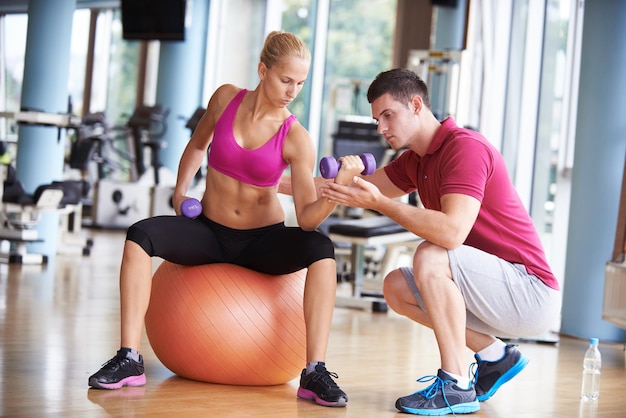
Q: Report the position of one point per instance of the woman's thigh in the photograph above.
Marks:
(285, 250)
(177, 239)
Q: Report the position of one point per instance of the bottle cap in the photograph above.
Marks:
(593, 341)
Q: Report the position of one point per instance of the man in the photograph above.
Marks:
(481, 272)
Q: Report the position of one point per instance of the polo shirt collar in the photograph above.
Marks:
(446, 126)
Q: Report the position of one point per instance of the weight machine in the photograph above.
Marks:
(148, 188)
(441, 72)
(124, 184)
(20, 215)
(162, 194)
(20, 212)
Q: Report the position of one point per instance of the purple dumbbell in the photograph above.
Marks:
(329, 166)
(191, 208)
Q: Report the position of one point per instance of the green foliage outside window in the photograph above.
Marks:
(359, 46)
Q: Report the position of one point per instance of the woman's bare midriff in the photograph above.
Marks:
(240, 205)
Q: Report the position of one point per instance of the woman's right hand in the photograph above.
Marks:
(177, 203)
(351, 166)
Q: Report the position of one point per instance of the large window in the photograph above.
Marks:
(122, 64)
(359, 43)
(527, 102)
(359, 46)
(542, 70)
(299, 17)
(552, 111)
(12, 66)
(78, 55)
(521, 51)
(114, 70)
(555, 132)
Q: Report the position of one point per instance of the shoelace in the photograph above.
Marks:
(115, 362)
(473, 372)
(431, 391)
(325, 378)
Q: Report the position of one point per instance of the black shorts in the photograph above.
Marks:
(274, 249)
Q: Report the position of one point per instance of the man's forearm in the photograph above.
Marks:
(284, 187)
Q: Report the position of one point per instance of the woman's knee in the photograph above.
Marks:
(133, 254)
(140, 235)
(317, 247)
(325, 267)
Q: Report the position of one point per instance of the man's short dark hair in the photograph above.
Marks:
(402, 84)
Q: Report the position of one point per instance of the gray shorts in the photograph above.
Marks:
(501, 298)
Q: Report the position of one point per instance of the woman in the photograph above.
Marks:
(253, 138)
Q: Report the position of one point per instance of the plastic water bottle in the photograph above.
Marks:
(591, 372)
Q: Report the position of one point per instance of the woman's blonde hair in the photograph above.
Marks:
(279, 44)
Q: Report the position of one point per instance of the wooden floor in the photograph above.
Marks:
(60, 323)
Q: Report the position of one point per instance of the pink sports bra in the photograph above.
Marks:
(260, 167)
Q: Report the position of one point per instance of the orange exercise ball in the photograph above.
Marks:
(222, 323)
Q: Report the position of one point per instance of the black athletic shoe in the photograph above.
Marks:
(440, 398)
(321, 388)
(118, 372)
(490, 375)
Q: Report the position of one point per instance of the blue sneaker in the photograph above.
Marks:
(490, 375)
(443, 397)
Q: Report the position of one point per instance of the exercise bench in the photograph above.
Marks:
(19, 214)
(360, 234)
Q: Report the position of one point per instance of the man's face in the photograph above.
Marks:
(397, 121)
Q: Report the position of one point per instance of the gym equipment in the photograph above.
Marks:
(162, 200)
(222, 323)
(71, 239)
(162, 194)
(148, 125)
(194, 120)
(69, 207)
(365, 246)
(103, 146)
(21, 213)
(192, 124)
(329, 166)
(441, 71)
(120, 204)
(361, 234)
(357, 135)
(191, 208)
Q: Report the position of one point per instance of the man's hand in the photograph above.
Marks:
(359, 194)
